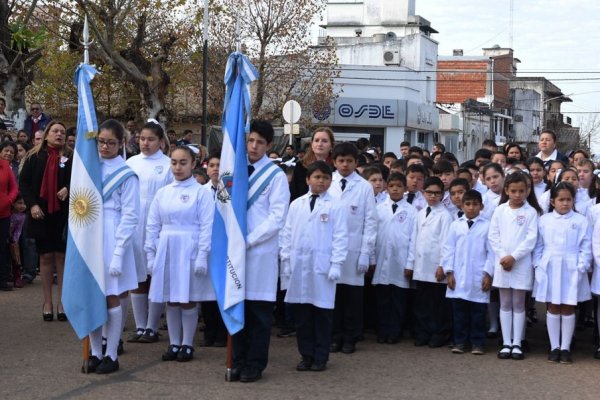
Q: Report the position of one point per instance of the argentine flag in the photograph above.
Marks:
(83, 283)
(228, 248)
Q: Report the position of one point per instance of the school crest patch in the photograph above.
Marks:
(159, 169)
(574, 226)
(401, 216)
(521, 219)
(184, 198)
(324, 217)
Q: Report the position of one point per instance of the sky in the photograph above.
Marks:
(557, 39)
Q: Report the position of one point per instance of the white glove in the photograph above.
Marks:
(286, 268)
(335, 272)
(363, 263)
(116, 265)
(200, 269)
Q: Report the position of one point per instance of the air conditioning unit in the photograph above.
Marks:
(518, 118)
(391, 58)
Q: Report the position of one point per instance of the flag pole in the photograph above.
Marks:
(229, 359)
(86, 60)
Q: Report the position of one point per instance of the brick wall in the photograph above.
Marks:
(456, 86)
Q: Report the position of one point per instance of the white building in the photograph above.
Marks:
(387, 73)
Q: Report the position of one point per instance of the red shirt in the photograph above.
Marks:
(8, 189)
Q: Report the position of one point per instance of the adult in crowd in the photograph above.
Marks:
(513, 150)
(6, 123)
(8, 194)
(186, 138)
(289, 154)
(8, 152)
(38, 137)
(71, 135)
(37, 120)
(321, 144)
(548, 151)
(23, 137)
(44, 184)
(22, 149)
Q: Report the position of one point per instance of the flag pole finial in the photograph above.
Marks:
(86, 41)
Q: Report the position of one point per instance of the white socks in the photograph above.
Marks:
(124, 311)
(506, 322)
(174, 324)
(567, 329)
(139, 304)
(189, 320)
(114, 328)
(493, 309)
(96, 342)
(519, 320)
(553, 326)
(154, 311)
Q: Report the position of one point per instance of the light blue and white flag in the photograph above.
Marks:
(228, 251)
(83, 294)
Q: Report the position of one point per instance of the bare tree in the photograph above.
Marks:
(589, 131)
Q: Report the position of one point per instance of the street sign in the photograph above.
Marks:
(291, 112)
(291, 129)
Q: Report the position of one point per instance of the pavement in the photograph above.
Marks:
(42, 360)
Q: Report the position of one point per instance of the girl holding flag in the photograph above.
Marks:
(121, 202)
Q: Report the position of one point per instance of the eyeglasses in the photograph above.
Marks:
(431, 193)
(107, 143)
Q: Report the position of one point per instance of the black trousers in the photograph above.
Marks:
(347, 314)
(391, 310)
(251, 344)
(214, 330)
(4, 264)
(433, 312)
(313, 331)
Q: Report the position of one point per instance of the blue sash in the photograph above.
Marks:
(260, 180)
(114, 180)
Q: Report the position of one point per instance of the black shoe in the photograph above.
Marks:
(48, 316)
(250, 375)
(171, 353)
(93, 363)
(318, 366)
(286, 332)
(206, 343)
(120, 348)
(234, 374)
(186, 353)
(518, 354)
(135, 336)
(505, 352)
(335, 347)
(61, 316)
(525, 346)
(149, 336)
(554, 356)
(565, 357)
(5, 286)
(421, 342)
(392, 340)
(107, 365)
(597, 354)
(348, 348)
(305, 364)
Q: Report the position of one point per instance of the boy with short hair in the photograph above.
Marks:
(314, 245)
(395, 251)
(445, 171)
(476, 183)
(432, 309)
(398, 166)
(415, 176)
(374, 176)
(482, 155)
(414, 159)
(404, 149)
(388, 159)
(356, 196)
(469, 266)
(458, 187)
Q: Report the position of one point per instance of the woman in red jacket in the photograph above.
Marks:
(44, 184)
(8, 194)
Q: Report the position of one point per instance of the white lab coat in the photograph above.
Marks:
(178, 236)
(561, 259)
(361, 217)
(514, 232)
(312, 242)
(381, 197)
(265, 219)
(120, 218)
(539, 189)
(396, 243)
(431, 236)
(595, 285)
(153, 172)
(480, 187)
(468, 254)
(419, 201)
(490, 202)
(447, 202)
(582, 202)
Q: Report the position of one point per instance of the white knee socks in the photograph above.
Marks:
(553, 326)
(96, 342)
(154, 311)
(189, 320)
(114, 328)
(506, 326)
(519, 320)
(174, 324)
(139, 304)
(567, 329)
